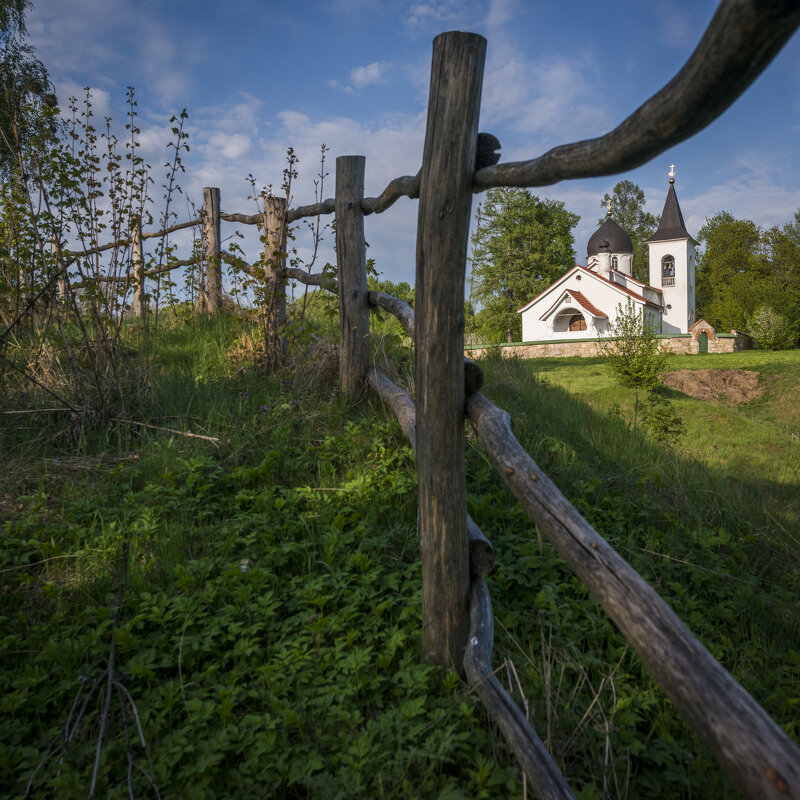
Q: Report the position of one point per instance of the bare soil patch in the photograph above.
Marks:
(728, 385)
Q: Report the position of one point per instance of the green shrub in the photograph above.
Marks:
(771, 330)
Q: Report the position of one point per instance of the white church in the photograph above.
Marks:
(584, 302)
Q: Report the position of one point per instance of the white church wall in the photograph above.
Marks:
(597, 291)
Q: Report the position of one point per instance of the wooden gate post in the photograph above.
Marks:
(211, 235)
(351, 256)
(445, 201)
(274, 261)
(137, 257)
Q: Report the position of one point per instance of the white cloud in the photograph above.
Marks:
(461, 14)
(369, 74)
(230, 146)
(361, 77)
(500, 12)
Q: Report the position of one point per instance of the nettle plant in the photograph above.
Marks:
(68, 280)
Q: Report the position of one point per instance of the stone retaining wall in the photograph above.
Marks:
(682, 344)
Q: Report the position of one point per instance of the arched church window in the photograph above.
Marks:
(614, 262)
(577, 324)
(668, 271)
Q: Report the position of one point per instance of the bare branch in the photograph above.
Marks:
(311, 278)
(314, 210)
(405, 186)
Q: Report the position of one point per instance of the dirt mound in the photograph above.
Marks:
(730, 385)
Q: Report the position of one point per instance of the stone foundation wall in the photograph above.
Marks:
(684, 344)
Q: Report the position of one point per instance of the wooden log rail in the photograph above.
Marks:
(762, 759)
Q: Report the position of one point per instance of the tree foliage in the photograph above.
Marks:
(627, 204)
(23, 80)
(748, 278)
(633, 353)
(521, 245)
(12, 18)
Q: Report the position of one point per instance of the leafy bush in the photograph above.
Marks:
(771, 330)
(661, 418)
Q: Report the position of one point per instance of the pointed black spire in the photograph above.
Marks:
(671, 225)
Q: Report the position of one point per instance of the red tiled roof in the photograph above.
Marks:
(580, 298)
(621, 288)
(629, 291)
(587, 305)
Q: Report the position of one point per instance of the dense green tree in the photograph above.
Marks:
(749, 279)
(24, 87)
(627, 210)
(733, 273)
(783, 247)
(521, 245)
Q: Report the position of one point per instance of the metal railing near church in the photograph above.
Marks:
(457, 618)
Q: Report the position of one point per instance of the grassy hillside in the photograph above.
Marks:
(263, 594)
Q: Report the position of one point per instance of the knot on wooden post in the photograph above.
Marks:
(473, 377)
(486, 154)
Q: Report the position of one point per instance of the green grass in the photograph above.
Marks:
(755, 444)
(268, 588)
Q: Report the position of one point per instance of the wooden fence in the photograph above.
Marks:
(457, 618)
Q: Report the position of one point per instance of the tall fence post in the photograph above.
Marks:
(274, 261)
(445, 201)
(137, 257)
(351, 256)
(211, 235)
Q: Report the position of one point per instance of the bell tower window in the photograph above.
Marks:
(614, 262)
(668, 271)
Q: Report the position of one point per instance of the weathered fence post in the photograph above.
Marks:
(445, 200)
(211, 235)
(352, 262)
(137, 258)
(274, 261)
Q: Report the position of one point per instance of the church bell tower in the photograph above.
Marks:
(672, 265)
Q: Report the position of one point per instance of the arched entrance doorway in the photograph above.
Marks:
(702, 342)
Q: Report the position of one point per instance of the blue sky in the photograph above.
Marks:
(258, 77)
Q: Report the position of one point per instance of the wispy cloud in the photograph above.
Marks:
(361, 77)
(162, 60)
(424, 17)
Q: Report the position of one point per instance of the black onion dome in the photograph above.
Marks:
(609, 238)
